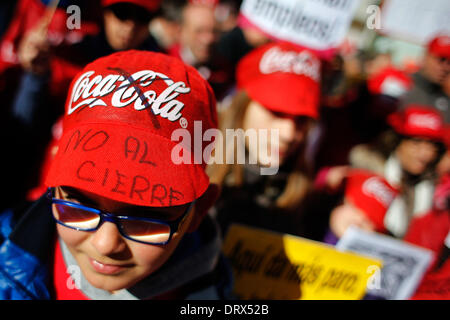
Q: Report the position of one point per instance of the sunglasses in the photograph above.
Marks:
(143, 230)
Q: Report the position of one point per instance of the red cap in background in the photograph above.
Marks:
(211, 3)
(389, 81)
(150, 5)
(440, 46)
(418, 121)
(447, 136)
(121, 113)
(371, 193)
(283, 78)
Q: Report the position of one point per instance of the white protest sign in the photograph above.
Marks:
(316, 24)
(404, 264)
(415, 20)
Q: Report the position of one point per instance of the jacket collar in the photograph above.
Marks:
(35, 231)
(26, 253)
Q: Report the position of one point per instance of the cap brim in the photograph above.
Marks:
(126, 164)
(283, 93)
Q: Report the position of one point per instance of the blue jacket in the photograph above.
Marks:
(27, 239)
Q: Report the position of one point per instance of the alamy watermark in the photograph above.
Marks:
(373, 21)
(236, 146)
(73, 21)
(74, 279)
(374, 281)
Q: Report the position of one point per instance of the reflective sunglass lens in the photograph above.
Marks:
(75, 217)
(146, 231)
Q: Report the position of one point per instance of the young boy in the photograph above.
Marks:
(128, 219)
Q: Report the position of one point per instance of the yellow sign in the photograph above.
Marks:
(269, 265)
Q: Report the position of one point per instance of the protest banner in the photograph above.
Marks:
(274, 266)
(415, 20)
(404, 264)
(319, 25)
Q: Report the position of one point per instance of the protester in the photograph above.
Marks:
(278, 92)
(367, 198)
(165, 28)
(104, 174)
(432, 231)
(226, 124)
(240, 40)
(125, 26)
(227, 13)
(358, 94)
(407, 158)
(48, 25)
(49, 68)
(197, 37)
(197, 33)
(428, 86)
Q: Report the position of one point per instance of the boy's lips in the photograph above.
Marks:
(107, 268)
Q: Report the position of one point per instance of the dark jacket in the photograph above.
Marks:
(427, 93)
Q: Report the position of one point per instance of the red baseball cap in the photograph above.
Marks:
(131, 128)
(211, 3)
(371, 193)
(440, 46)
(389, 81)
(447, 136)
(150, 5)
(282, 78)
(418, 121)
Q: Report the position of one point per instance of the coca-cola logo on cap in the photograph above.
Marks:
(90, 90)
(301, 63)
(375, 188)
(425, 121)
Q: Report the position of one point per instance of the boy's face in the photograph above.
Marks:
(108, 260)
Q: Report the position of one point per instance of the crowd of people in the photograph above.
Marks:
(88, 121)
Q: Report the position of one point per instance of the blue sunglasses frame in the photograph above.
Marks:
(110, 217)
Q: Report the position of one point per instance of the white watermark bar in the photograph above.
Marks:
(236, 146)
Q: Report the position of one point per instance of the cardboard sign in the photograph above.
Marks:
(415, 20)
(404, 264)
(317, 25)
(269, 265)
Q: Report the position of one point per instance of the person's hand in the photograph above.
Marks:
(347, 215)
(34, 51)
(336, 176)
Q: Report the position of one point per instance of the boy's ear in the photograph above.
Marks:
(203, 204)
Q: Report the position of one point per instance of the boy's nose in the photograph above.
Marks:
(107, 239)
